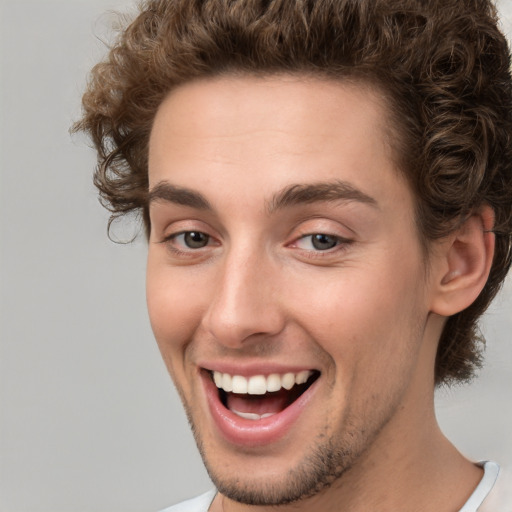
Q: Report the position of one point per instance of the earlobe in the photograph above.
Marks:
(464, 264)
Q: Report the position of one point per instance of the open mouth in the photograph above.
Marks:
(261, 396)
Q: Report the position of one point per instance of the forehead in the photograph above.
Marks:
(260, 134)
(269, 102)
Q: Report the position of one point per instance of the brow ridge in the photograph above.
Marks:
(309, 193)
(183, 196)
(292, 195)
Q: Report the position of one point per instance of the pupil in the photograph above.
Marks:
(196, 240)
(324, 242)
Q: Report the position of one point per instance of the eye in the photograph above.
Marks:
(191, 239)
(318, 242)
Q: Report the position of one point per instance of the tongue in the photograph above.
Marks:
(259, 404)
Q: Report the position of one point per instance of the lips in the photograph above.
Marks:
(260, 408)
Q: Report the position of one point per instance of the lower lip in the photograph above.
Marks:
(247, 433)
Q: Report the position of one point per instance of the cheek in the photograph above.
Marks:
(174, 311)
(365, 317)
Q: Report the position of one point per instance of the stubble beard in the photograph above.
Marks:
(327, 461)
(330, 456)
(317, 472)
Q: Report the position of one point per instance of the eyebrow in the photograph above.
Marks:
(183, 196)
(292, 195)
(309, 193)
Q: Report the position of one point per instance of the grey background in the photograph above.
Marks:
(88, 417)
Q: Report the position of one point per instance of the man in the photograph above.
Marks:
(327, 193)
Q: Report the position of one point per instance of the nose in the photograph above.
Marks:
(245, 302)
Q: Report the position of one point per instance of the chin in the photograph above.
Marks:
(258, 486)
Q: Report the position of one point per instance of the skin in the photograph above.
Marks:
(366, 313)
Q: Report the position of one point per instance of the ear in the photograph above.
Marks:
(463, 263)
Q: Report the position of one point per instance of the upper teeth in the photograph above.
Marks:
(259, 384)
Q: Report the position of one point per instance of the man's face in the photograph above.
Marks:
(286, 284)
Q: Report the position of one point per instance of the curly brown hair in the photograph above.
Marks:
(443, 65)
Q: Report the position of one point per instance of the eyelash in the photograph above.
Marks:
(189, 251)
(341, 244)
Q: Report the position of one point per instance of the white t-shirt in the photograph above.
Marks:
(493, 494)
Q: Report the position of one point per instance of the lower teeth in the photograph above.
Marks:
(252, 415)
